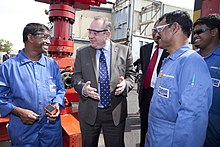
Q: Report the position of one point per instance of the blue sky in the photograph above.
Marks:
(15, 15)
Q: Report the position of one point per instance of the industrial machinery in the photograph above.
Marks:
(205, 7)
(62, 18)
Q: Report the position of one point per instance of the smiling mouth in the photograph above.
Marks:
(196, 41)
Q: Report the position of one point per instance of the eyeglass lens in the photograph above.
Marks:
(200, 31)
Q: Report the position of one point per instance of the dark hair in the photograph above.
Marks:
(212, 21)
(182, 18)
(33, 28)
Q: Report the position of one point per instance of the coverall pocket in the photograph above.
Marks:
(166, 91)
(52, 88)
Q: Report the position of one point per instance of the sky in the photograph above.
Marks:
(16, 14)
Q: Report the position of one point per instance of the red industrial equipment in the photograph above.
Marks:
(62, 17)
(205, 7)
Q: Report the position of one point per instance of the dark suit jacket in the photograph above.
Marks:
(5, 57)
(145, 54)
(85, 69)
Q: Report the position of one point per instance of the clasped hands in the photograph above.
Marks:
(92, 92)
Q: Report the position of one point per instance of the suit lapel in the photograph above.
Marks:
(92, 53)
(147, 54)
(114, 53)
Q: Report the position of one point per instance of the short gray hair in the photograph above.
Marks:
(106, 22)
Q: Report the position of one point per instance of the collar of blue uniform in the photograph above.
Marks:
(179, 52)
(24, 59)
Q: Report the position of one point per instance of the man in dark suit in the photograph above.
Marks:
(106, 112)
(6, 56)
(145, 93)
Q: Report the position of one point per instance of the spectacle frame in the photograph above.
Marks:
(159, 29)
(43, 35)
(96, 32)
(200, 31)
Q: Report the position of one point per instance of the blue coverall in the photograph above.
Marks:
(213, 130)
(178, 115)
(31, 85)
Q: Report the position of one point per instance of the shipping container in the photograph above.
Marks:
(134, 19)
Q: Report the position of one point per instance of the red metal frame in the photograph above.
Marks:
(3, 131)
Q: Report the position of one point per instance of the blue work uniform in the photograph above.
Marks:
(31, 85)
(178, 115)
(213, 130)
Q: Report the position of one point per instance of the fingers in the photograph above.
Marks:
(33, 116)
(121, 86)
(29, 117)
(90, 91)
(88, 83)
(121, 79)
(94, 95)
(51, 117)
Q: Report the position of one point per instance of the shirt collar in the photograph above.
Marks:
(24, 59)
(215, 52)
(107, 45)
(179, 52)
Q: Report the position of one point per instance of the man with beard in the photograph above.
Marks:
(178, 114)
(30, 81)
(149, 54)
(206, 35)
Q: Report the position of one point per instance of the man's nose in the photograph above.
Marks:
(48, 41)
(91, 35)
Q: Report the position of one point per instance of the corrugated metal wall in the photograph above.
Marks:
(120, 23)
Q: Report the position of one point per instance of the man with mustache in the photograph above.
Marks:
(178, 114)
(149, 77)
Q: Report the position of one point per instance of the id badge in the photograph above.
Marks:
(215, 82)
(163, 92)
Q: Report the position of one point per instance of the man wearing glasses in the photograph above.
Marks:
(30, 81)
(178, 114)
(103, 76)
(149, 76)
(206, 35)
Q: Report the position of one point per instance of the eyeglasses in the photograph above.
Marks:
(96, 32)
(42, 35)
(200, 31)
(159, 29)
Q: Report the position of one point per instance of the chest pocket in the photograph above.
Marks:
(215, 74)
(165, 90)
(51, 88)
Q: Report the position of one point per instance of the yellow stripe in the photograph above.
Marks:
(196, 15)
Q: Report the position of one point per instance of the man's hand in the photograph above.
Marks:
(90, 91)
(27, 116)
(120, 86)
(51, 117)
